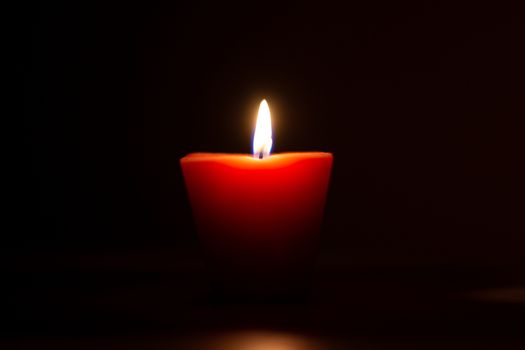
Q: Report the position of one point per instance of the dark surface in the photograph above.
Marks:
(421, 103)
(162, 300)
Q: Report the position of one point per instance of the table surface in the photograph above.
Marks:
(161, 300)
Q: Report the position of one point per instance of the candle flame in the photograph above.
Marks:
(262, 139)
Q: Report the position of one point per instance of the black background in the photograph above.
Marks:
(420, 102)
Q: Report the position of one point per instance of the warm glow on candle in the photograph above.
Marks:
(262, 139)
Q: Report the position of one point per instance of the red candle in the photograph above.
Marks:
(258, 219)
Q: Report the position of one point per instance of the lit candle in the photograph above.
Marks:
(258, 217)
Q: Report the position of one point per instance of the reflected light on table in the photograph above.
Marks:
(259, 340)
(515, 295)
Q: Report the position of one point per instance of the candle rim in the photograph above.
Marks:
(247, 161)
(196, 156)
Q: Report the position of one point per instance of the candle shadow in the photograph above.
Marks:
(231, 289)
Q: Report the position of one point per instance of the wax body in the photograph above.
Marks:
(258, 219)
